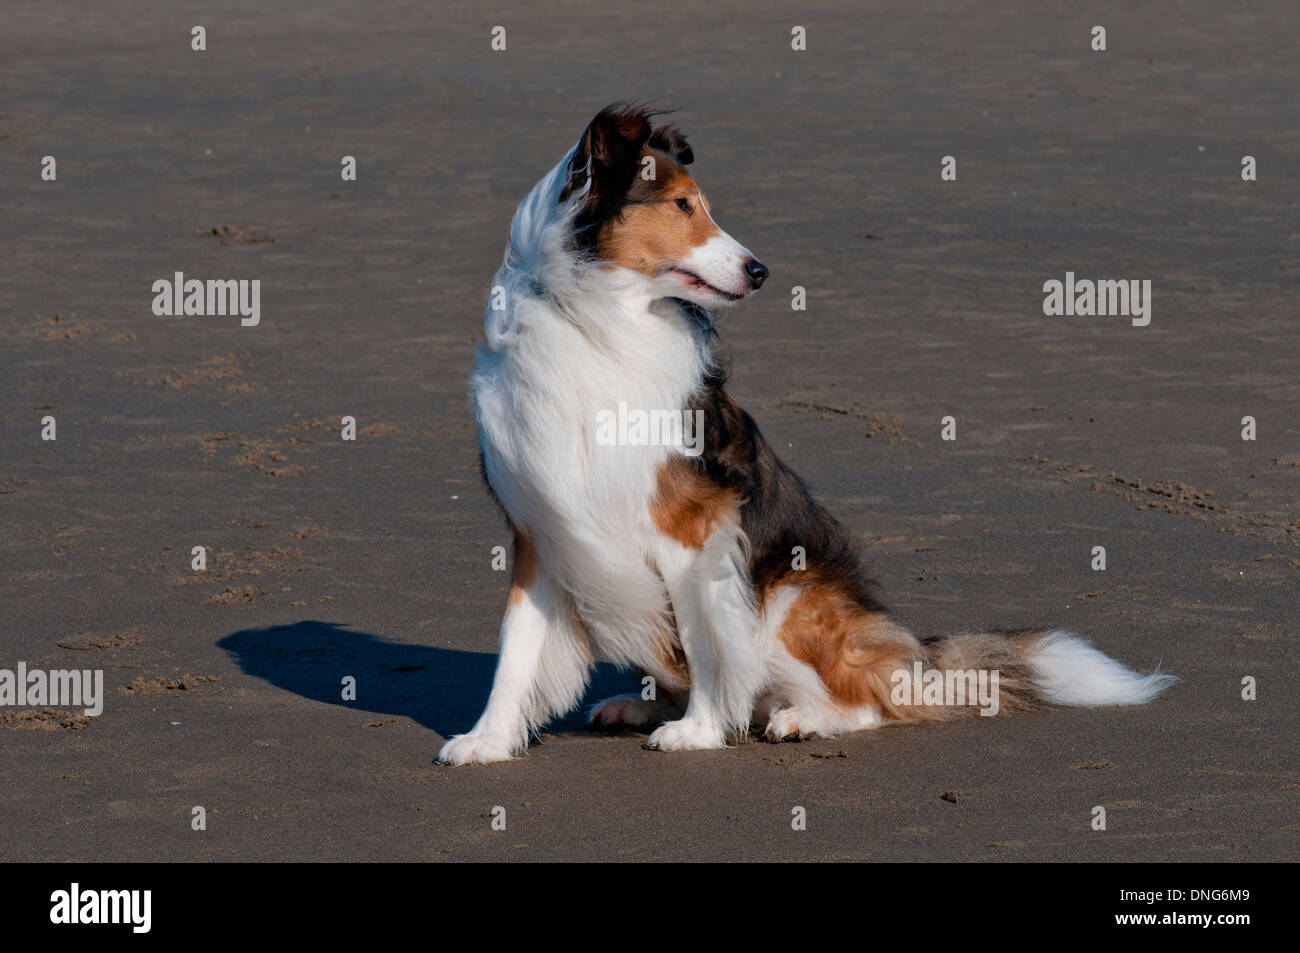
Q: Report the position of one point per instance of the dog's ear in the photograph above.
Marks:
(611, 146)
(670, 140)
(615, 137)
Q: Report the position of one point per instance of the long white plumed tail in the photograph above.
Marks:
(1067, 670)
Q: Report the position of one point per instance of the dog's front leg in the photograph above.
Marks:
(713, 605)
(541, 671)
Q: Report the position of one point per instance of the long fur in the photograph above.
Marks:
(557, 355)
(680, 566)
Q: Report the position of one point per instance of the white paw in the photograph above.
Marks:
(688, 734)
(476, 749)
(787, 723)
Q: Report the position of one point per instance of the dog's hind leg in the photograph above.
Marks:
(635, 711)
(541, 672)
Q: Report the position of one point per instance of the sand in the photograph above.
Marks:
(372, 558)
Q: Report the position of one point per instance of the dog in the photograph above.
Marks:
(714, 571)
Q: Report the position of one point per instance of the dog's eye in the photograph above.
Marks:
(685, 206)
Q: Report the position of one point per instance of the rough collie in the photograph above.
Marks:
(708, 567)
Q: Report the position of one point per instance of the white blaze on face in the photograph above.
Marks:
(719, 262)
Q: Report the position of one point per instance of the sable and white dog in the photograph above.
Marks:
(683, 566)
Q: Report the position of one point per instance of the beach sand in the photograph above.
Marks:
(372, 558)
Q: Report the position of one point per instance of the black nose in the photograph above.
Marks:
(757, 272)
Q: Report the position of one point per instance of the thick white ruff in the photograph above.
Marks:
(575, 338)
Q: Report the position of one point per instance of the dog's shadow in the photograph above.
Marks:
(442, 689)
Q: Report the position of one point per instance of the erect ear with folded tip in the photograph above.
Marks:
(612, 145)
(668, 139)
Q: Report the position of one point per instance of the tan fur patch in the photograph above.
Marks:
(524, 571)
(1005, 653)
(650, 236)
(856, 652)
(687, 505)
(853, 650)
(675, 674)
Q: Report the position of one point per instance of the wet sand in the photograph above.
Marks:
(373, 558)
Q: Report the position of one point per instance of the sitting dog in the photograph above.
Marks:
(709, 567)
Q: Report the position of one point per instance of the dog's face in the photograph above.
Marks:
(645, 212)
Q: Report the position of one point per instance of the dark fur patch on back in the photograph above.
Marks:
(777, 512)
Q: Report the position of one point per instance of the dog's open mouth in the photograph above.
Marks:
(695, 281)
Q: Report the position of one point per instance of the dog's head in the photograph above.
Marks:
(642, 210)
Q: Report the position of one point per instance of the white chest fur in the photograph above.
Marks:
(539, 386)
